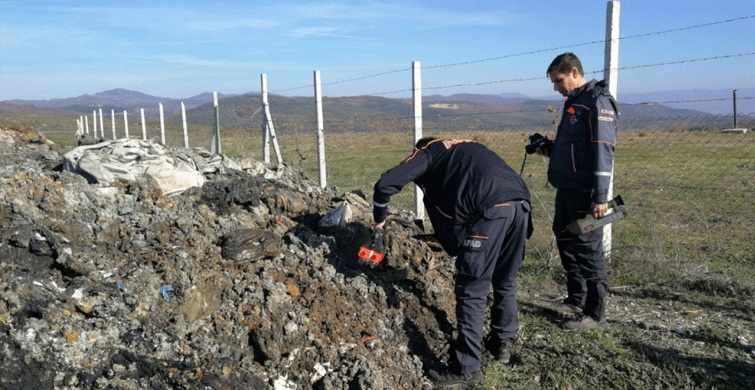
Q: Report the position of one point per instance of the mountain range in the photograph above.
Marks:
(120, 99)
(367, 113)
(710, 101)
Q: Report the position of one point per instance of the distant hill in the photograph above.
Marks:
(460, 112)
(8, 109)
(472, 98)
(120, 99)
(717, 101)
(372, 113)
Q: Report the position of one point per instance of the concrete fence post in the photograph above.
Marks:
(94, 123)
(125, 123)
(419, 205)
(610, 74)
(269, 125)
(144, 125)
(162, 123)
(102, 126)
(734, 100)
(320, 132)
(216, 134)
(186, 128)
(265, 132)
(112, 122)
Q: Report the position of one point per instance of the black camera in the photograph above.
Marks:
(537, 140)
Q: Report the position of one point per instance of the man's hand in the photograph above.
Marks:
(538, 144)
(599, 209)
(379, 225)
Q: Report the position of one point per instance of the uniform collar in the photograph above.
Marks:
(577, 91)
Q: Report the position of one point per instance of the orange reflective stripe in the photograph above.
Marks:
(412, 156)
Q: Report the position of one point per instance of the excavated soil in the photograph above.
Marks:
(244, 283)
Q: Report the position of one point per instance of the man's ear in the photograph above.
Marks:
(574, 73)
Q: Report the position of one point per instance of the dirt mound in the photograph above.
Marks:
(234, 285)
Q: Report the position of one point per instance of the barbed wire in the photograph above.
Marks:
(680, 61)
(347, 80)
(694, 100)
(591, 72)
(588, 43)
(516, 55)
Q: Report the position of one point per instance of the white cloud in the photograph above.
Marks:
(212, 63)
(304, 32)
(222, 64)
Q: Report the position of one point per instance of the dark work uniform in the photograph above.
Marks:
(479, 208)
(581, 164)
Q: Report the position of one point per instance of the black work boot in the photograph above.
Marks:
(584, 322)
(567, 308)
(501, 351)
(451, 380)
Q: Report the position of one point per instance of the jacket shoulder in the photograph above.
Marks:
(599, 90)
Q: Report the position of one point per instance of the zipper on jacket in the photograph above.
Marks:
(573, 160)
(442, 213)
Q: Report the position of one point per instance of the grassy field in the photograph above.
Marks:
(681, 307)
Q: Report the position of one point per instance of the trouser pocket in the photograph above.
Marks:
(476, 256)
(472, 259)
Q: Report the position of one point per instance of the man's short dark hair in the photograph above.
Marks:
(564, 63)
(423, 142)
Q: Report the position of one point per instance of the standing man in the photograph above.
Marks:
(580, 168)
(479, 208)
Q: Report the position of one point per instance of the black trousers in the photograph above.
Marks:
(581, 255)
(490, 255)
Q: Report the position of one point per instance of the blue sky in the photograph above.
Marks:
(177, 49)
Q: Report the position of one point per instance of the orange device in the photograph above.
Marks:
(372, 253)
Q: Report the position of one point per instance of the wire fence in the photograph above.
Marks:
(687, 182)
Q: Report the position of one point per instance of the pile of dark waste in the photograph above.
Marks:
(249, 281)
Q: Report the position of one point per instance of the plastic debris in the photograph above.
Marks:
(164, 290)
(283, 383)
(337, 217)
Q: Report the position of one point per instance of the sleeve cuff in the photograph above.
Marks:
(379, 213)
